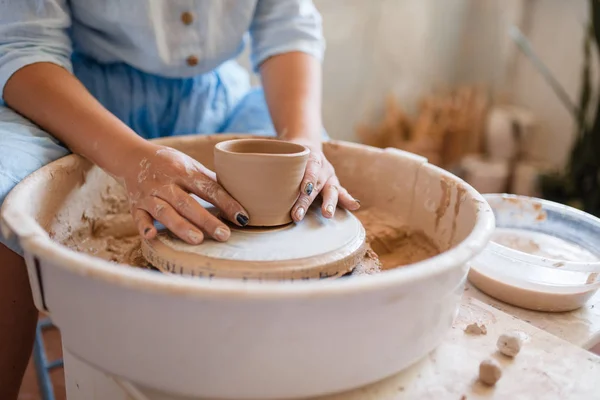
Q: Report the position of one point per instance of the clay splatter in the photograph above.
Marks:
(444, 202)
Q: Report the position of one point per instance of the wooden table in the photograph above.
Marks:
(580, 327)
(553, 363)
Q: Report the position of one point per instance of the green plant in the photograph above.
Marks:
(579, 184)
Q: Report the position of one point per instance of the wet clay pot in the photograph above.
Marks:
(263, 175)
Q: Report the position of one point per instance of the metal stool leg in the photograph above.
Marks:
(40, 360)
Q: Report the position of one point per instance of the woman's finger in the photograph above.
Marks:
(302, 205)
(145, 223)
(346, 200)
(305, 200)
(168, 216)
(310, 182)
(209, 190)
(330, 194)
(190, 209)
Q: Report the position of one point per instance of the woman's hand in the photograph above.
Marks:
(159, 182)
(320, 179)
(292, 86)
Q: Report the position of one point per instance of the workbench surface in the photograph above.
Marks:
(580, 327)
(547, 367)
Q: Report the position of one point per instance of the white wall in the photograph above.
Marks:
(409, 47)
(376, 47)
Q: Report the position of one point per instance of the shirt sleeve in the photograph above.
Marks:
(282, 26)
(33, 31)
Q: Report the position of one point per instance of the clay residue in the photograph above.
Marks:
(112, 235)
(461, 195)
(526, 207)
(476, 329)
(444, 202)
(369, 265)
(543, 245)
(394, 242)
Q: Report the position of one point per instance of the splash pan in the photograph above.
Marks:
(195, 337)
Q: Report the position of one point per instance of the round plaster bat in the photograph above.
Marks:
(314, 248)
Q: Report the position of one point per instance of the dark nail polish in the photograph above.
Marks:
(309, 188)
(241, 219)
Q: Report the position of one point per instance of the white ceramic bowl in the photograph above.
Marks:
(544, 281)
(241, 340)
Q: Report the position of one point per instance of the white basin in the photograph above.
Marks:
(229, 339)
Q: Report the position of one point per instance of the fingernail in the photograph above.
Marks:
(357, 201)
(300, 213)
(330, 209)
(146, 231)
(195, 237)
(241, 219)
(221, 234)
(308, 189)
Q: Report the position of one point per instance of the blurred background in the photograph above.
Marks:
(489, 89)
(501, 92)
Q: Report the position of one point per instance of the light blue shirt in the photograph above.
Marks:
(171, 38)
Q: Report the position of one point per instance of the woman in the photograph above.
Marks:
(99, 77)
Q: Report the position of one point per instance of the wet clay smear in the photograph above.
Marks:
(110, 234)
(394, 243)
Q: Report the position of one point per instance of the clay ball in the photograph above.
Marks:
(489, 372)
(509, 344)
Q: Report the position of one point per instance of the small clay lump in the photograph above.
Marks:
(509, 344)
(476, 329)
(489, 372)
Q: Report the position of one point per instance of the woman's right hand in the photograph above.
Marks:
(159, 181)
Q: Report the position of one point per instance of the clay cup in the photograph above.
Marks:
(263, 175)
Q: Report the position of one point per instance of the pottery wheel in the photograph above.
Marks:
(314, 248)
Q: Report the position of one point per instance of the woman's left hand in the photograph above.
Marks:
(320, 179)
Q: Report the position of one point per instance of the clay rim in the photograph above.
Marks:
(35, 240)
(298, 149)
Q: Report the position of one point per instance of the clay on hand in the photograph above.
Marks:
(159, 184)
(489, 372)
(320, 178)
(509, 344)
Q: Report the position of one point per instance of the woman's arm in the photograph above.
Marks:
(287, 47)
(55, 100)
(157, 179)
(35, 81)
(292, 85)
